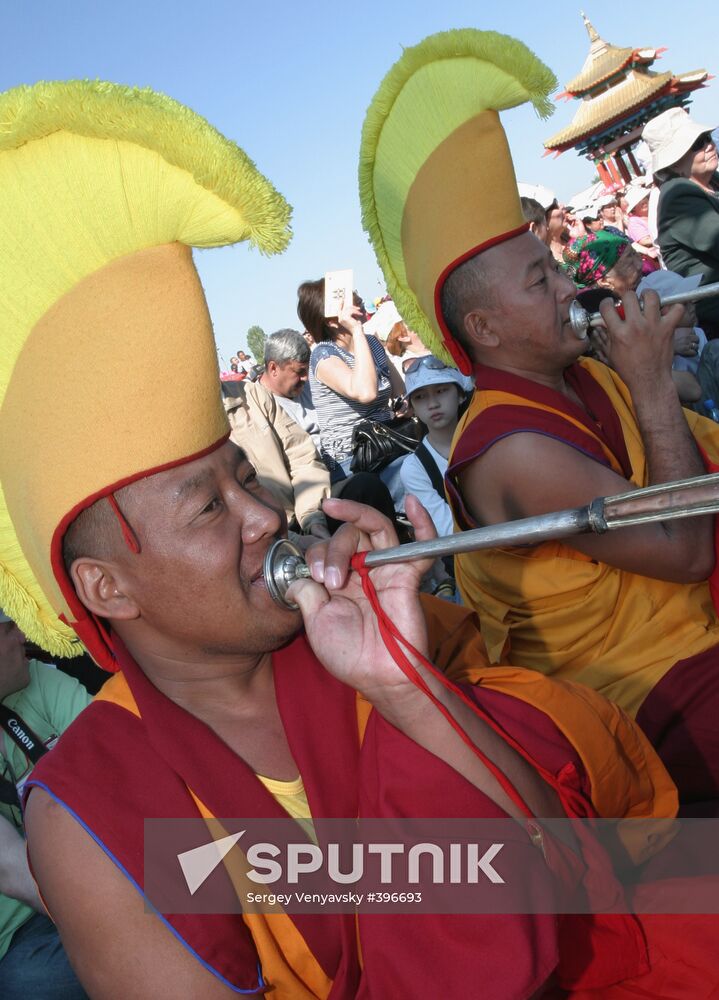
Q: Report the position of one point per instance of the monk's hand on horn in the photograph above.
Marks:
(341, 623)
(641, 345)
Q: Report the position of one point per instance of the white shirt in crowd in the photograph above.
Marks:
(416, 481)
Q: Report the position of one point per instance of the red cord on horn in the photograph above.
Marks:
(394, 641)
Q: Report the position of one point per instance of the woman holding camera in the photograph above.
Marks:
(350, 378)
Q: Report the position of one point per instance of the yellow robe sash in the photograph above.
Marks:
(552, 609)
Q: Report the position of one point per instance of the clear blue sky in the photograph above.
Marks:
(290, 82)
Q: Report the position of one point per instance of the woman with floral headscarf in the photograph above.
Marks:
(606, 265)
(604, 260)
(600, 268)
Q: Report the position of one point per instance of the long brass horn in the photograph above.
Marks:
(284, 562)
(582, 321)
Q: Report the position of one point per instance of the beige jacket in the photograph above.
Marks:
(283, 454)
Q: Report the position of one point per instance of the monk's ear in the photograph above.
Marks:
(99, 586)
(479, 328)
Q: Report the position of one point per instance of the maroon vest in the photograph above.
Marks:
(153, 760)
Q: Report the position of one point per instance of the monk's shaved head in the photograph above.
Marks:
(468, 287)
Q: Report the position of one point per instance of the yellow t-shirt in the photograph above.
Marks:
(291, 795)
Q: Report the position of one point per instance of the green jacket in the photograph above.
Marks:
(688, 220)
(48, 705)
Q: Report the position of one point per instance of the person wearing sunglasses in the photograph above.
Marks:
(684, 163)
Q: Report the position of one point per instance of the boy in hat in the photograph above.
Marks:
(436, 392)
(689, 339)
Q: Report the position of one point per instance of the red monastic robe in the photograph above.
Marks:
(163, 762)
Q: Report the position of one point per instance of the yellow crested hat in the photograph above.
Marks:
(105, 190)
(436, 178)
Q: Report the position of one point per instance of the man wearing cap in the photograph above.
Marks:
(684, 164)
(37, 703)
(147, 543)
(629, 614)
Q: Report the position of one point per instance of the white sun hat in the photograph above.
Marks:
(670, 135)
(381, 323)
(635, 195)
(669, 283)
(606, 199)
(586, 211)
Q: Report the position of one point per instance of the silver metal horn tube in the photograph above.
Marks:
(582, 320)
(284, 562)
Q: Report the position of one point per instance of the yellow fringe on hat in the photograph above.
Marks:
(32, 614)
(70, 206)
(91, 172)
(143, 117)
(435, 87)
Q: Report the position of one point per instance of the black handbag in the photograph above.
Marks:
(376, 443)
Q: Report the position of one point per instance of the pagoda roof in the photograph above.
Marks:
(604, 61)
(639, 88)
(597, 70)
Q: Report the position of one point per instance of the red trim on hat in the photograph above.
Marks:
(455, 349)
(90, 629)
(127, 533)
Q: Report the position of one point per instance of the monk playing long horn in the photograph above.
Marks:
(144, 538)
(631, 614)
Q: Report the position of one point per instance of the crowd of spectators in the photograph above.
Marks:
(660, 233)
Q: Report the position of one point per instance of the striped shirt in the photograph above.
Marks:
(337, 414)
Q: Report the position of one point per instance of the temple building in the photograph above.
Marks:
(618, 94)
